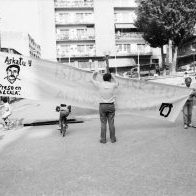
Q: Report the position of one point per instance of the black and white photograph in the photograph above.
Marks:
(97, 98)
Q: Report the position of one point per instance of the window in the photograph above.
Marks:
(124, 48)
(155, 60)
(141, 47)
(84, 65)
(117, 17)
(101, 64)
(80, 33)
(127, 48)
(119, 46)
(64, 33)
(65, 48)
(79, 17)
(63, 17)
(81, 48)
(89, 47)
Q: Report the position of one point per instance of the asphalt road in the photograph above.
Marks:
(150, 158)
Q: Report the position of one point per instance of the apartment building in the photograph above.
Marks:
(89, 30)
(187, 53)
(21, 42)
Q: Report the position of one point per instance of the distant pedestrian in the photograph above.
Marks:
(188, 107)
(157, 69)
(106, 90)
(185, 75)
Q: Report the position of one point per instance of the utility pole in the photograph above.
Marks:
(138, 61)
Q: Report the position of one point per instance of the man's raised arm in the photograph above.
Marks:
(114, 80)
(94, 78)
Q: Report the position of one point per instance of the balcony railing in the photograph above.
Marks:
(128, 36)
(75, 21)
(74, 38)
(73, 4)
(75, 54)
(143, 52)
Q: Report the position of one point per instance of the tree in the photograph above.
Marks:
(173, 19)
(153, 33)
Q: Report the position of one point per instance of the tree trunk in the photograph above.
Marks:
(163, 61)
(173, 66)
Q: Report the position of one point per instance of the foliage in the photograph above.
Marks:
(164, 20)
(161, 20)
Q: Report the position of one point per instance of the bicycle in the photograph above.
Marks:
(64, 113)
(9, 124)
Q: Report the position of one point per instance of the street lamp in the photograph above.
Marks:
(90, 63)
(116, 51)
(138, 61)
(71, 49)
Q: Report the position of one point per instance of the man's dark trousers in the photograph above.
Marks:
(107, 113)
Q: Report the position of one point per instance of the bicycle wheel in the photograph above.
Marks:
(64, 129)
(12, 124)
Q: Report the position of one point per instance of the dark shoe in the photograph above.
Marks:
(185, 127)
(103, 141)
(113, 140)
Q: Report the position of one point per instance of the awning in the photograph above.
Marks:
(125, 26)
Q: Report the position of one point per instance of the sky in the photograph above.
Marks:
(34, 17)
(20, 15)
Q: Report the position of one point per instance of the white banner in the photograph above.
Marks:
(39, 79)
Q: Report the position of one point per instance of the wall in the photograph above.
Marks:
(104, 27)
(47, 29)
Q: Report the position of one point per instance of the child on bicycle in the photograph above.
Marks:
(64, 113)
(6, 111)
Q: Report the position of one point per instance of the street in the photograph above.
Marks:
(150, 157)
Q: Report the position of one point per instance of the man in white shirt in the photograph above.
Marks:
(106, 90)
(188, 106)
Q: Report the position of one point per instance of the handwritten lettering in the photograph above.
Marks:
(10, 90)
(18, 61)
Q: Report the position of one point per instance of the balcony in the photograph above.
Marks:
(73, 4)
(133, 52)
(75, 54)
(128, 36)
(75, 38)
(124, 4)
(67, 53)
(63, 22)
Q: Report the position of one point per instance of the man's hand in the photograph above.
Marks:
(95, 72)
(193, 94)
